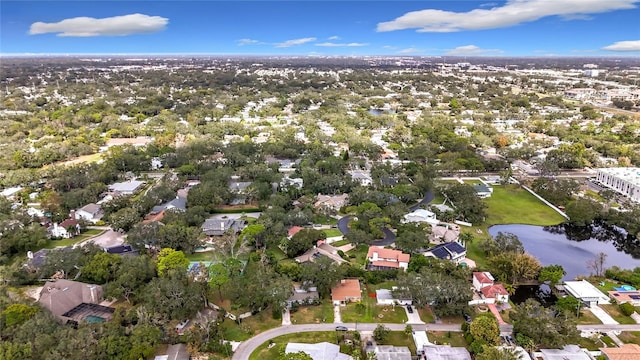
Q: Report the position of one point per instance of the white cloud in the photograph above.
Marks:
(294, 42)
(330, 44)
(335, 37)
(631, 45)
(243, 42)
(111, 26)
(471, 50)
(410, 50)
(514, 12)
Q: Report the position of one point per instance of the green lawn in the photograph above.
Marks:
(399, 338)
(51, 244)
(202, 256)
(618, 316)
(340, 243)
(368, 311)
(332, 232)
(455, 339)
(264, 353)
(510, 204)
(322, 313)
(630, 337)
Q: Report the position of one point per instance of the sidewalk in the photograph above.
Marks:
(337, 318)
(602, 315)
(286, 317)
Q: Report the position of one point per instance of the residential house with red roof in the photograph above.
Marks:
(381, 258)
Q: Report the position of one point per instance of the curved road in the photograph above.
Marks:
(247, 347)
(389, 236)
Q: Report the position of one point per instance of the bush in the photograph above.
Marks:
(627, 309)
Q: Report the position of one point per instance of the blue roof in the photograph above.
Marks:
(445, 251)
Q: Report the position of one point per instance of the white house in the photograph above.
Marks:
(127, 187)
(421, 215)
(66, 229)
(90, 212)
(487, 291)
(361, 176)
(586, 292)
(482, 279)
(385, 297)
(319, 351)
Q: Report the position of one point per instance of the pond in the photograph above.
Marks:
(572, 246)
(378, 112)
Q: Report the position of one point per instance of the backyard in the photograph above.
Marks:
(263, 352)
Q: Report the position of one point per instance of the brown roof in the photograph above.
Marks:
(482, 278)
(63, 295)
(69, 222)
(294, 230)
(493, 290)
(384, 263)
(346, 289)
(388, 254)
(625, 352)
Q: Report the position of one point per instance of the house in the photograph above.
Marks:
(362, 177)
(293, 230)
(217, 227)
(126, 188)
(122, 250)
(322, 249)
(90, 212)
(383, 259)
(385, 297)
(518, 351)
(11, 193)
(452, 251)
(624, 352)
(74, 301)
(420, 216)
(496, 292)
(331, 202)
(179, 203)
(346, 291)
(136, 142)
(302, 295)
(585, 292)
(389, 352)
(175, 352)
(291, 183)
(318, 351)
(240, 189)
(569, 352)
(444, 232)
(624, 296)
(483, 191)
(66, 229)
(445, 352)
(482, 279)
(36, 259)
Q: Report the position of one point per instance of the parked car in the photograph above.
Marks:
(410, 309)
(467, 318)
(341, 328)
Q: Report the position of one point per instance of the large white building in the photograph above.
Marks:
(624, 180)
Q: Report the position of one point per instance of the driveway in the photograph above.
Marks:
(389, 238)
(107, 239)
(414, 317)
(343, 224)
(602, 315)
(428, 197)
(337, 318)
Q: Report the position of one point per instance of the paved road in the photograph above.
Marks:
(247, 347)
(343, 224)
(428, 197)
(389, 238)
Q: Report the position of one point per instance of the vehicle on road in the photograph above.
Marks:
(341, 328)
(409, 309)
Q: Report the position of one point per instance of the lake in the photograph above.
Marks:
(572, 247)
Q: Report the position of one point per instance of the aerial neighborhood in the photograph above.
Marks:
(337, 208)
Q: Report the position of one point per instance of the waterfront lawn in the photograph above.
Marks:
(263, 352)
(510, 204)
(453, 338)
(618, 316)
(313, 314)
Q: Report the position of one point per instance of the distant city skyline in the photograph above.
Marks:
(349, 28)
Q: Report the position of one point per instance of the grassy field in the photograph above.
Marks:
(454, 339)
(322, 313)
(263, 352)
(512, 205)
(51, 244)
(202, 256)
(368, 311)
(332, 232)
(630, 337)
(587, 317)
(399, 338)
(618, 316)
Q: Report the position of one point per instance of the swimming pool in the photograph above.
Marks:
(625, 288)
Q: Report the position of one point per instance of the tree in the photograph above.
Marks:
(411, 238)
(173, 296)
(494, 353)
(300, 355)
(131, 278)
(303, 241)
(170, 260)
(124, 219)
(568, 305)
(532, 321)
(583, 211)
(552, 274)
(597, 264)
(218, 276)
(380, 333)
(16, 314)
(102, 268)
(466, 202)
(485, 328)
(322, 273)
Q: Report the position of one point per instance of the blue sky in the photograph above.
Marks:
(466, 28)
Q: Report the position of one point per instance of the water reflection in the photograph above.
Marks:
(540, 293)
(599, 230)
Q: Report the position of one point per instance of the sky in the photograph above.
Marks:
(331, 27)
